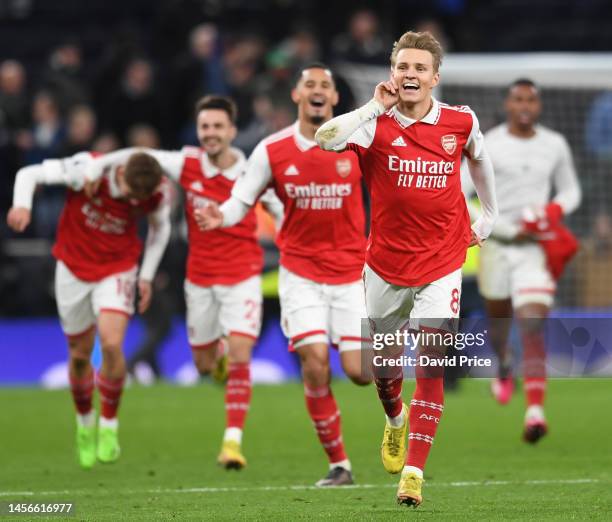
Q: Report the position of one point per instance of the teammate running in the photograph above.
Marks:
(97, 251)
(410, 147)
(322, 244)
(515, 275)
(223, 284)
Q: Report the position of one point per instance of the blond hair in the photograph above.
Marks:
(424, 41)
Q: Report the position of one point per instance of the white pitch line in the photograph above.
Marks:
(231, 489)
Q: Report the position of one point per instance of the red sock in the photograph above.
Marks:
(82, 391)
(425, 412)
(535, 388)
(390, 394)
(110, 395)
(534, 367)
(237, 394)
(325, 416)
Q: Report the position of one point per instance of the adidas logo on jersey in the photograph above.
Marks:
(197, 185)
(399, 142)
(292, 171)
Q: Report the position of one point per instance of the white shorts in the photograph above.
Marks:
(394, 308)
(314, 312)
(516, 272)
(223, 310)
(80, 302)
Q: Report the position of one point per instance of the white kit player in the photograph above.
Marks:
(410, 148)
(322, 245)
(97, 250)
(515, 278)
(223, 284)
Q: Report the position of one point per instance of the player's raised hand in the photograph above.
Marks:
(387, 93)
(91, 187)
(476, 240)
(18, 218)
(145, 293)
(209, 217)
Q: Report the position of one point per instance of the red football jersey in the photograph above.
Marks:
(98, 237)
(420, 227)
(224, 256)
(323, 232)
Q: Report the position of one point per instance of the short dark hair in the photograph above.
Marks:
(222, 103)
(142, 174)
(522, 82)
(313, 65)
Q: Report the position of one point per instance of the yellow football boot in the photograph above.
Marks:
(231, 456)
(409, 489)
(393, 448)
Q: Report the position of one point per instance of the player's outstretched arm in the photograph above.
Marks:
(171, 163)
(18, 218)
(213, 216)
(68, 171)
(158, 235)
(334, 134)
(245, 193)
(98, 165)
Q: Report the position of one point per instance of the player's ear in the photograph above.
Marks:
(120, 171)
(233, 132)
(436, 79)
(295, 97)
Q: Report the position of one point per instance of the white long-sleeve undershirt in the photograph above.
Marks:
(335, 133)
(483, 177)
(158, 235)
(68, 172)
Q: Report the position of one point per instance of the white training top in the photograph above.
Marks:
(528, 171)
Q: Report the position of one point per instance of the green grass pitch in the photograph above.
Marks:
(479, 468)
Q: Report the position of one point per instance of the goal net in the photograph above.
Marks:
(576, 91)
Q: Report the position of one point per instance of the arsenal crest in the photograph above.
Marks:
(449, 143)
(343, 167)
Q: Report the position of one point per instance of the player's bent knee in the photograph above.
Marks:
(79, 363)
(357, 372)
(111, 341)
(204, 367)
(111, 348)
(532, 325)
(112, 357)
(204, 357)
(240, 348)
(359, 379)
(315, 371)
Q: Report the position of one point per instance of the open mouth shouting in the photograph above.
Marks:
(409, 86)
(317, 102)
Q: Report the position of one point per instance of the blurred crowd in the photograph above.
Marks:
(140, 90)
(131, 99)
(134, 95)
